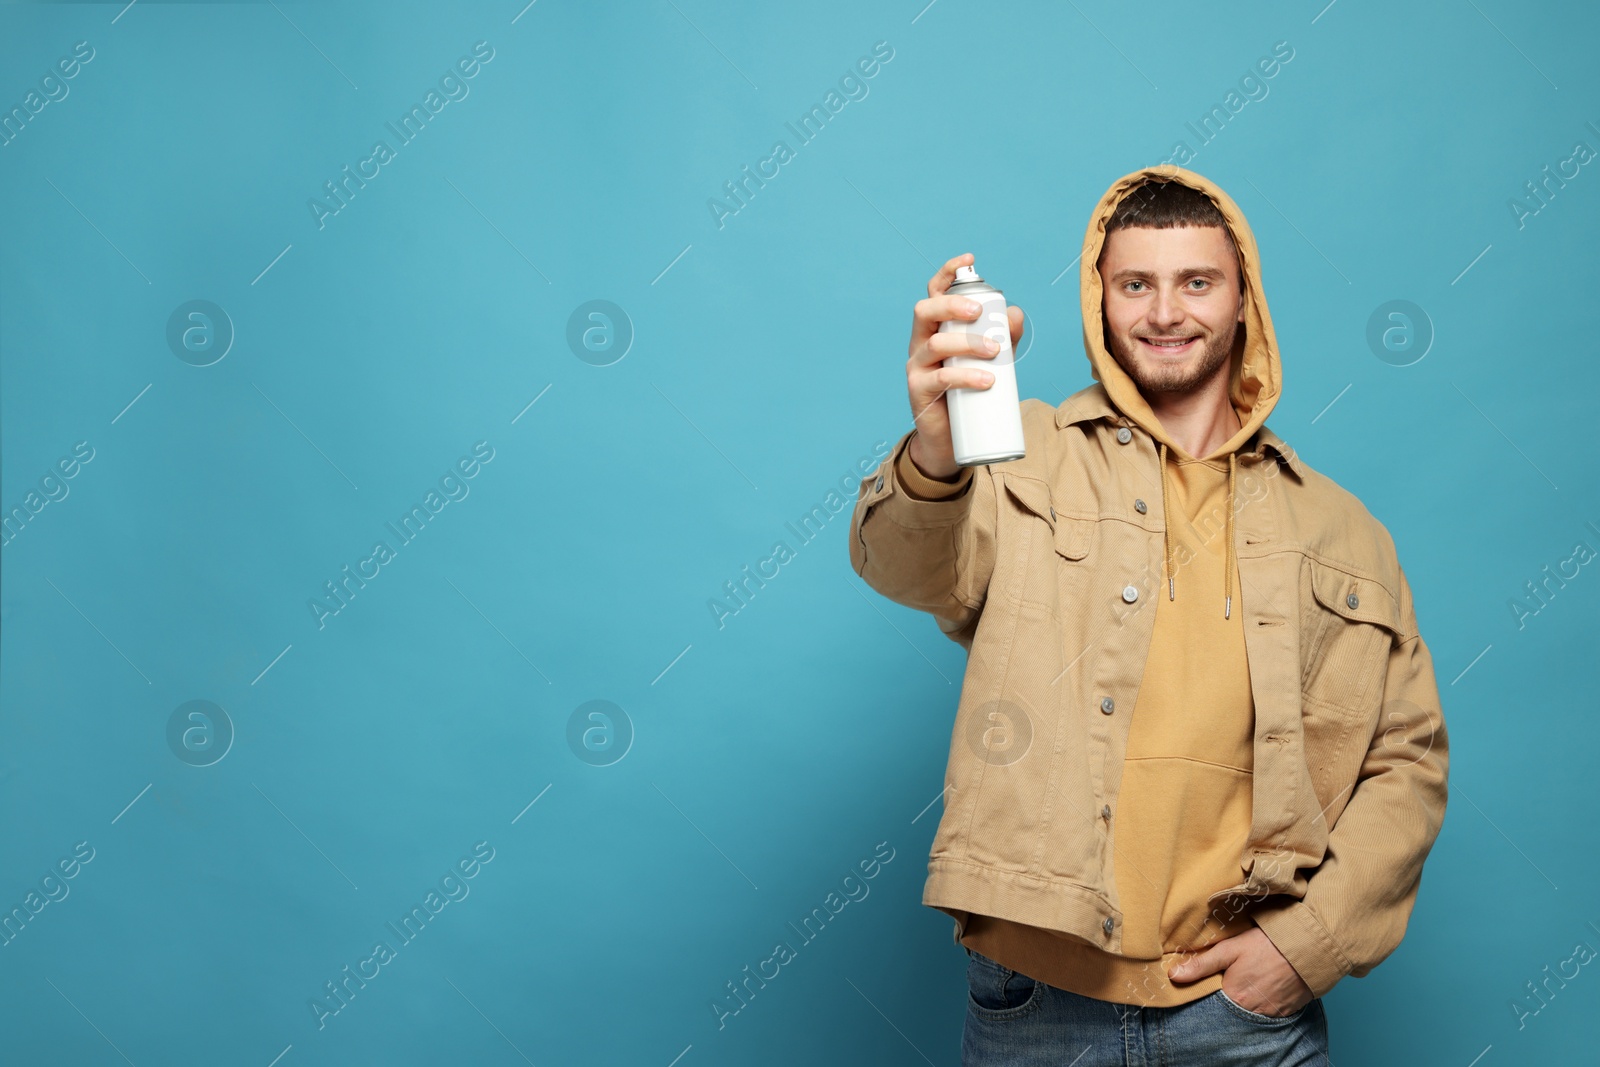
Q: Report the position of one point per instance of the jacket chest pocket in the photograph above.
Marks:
(1349, 624)
(1043, 564)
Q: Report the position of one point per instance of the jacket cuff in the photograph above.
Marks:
(1304, 942)
(922, 487)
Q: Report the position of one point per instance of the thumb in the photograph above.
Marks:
(1015, 319)
(1210, 961)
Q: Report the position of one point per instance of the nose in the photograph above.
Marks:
(1165, 310)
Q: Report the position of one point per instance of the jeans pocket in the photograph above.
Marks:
(995, 991)
(1255, 1016)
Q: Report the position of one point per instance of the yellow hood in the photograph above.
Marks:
(1255, 378)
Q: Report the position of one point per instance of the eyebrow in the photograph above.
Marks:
(1128, 273)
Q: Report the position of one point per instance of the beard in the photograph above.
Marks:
(1152, 378)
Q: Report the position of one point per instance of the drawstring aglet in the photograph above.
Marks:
(1227, 606)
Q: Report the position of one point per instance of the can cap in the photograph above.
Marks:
(967, 274)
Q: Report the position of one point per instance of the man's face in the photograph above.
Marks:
(1174, 285)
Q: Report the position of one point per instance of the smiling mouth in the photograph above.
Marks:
(1168, 344)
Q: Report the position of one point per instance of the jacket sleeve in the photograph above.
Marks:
(1358, 900)
(934, 555)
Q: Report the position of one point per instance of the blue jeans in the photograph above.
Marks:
(1016, 1021)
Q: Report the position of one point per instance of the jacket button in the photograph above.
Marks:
(1105, 812)
(879, 484)
(1130, 594)
(1108, 705)
(1353, 600)
(1107, 925)
(1124, 435)
(1138, 505)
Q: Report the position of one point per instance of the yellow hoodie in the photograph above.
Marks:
(1184, 814)
(1255, 378)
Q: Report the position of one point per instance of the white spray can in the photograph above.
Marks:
(985, 424)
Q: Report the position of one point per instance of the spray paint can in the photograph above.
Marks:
(985, 424)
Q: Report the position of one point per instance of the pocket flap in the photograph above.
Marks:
(1033, 495)
(1072, 535)
(1354, 597)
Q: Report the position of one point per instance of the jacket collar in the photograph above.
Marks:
(1265, 439)
(1093, 403)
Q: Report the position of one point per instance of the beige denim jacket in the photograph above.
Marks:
(1044, 571)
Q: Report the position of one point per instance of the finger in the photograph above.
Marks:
(930, 386)
(1018, 320)
(923, 399)
(965, 377)
(1198, 965)
(946, 275)
(927, 314)
(929, 391)
(958, 343)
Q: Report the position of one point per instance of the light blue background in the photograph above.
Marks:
(773, 754)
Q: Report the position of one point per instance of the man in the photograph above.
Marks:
(1197, 764)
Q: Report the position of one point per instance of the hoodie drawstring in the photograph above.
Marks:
(1166, 537)
(1166, 532)
(1227, 566)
